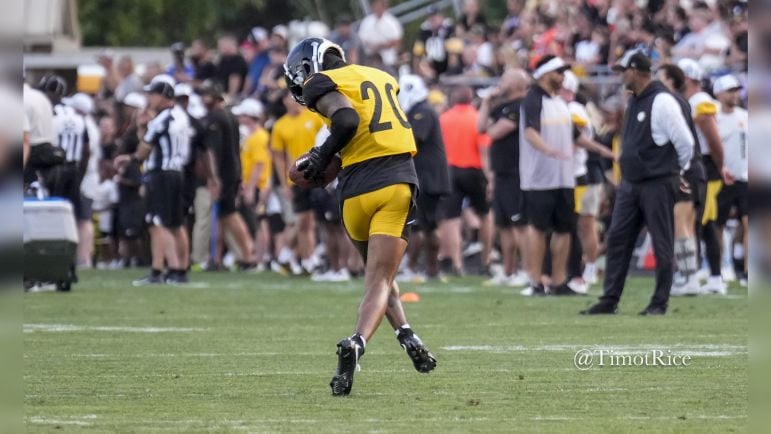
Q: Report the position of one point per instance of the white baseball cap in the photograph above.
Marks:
(136, 100)
(691, 69)
(80, 102)
(160, 78)
(726, 82)
(570, 82)
(249, 107)
(183, 89)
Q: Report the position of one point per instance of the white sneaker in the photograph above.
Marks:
(714, 285)
(472, 249)
(578, 285)
(405, 275)
(322, 277)
(729, 275)
(518, 280)
(743, 282)
(339, 276)
(497, 280)
(683, 286)
(590, 274)
(527, 292)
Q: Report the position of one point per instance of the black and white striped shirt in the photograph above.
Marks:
(170, 134)
(71, 132)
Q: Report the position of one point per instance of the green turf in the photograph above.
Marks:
(254, 353)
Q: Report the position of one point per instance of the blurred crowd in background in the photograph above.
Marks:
(294, 236)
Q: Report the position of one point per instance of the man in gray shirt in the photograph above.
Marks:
(546, 175)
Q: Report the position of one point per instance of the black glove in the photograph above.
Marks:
(313, 166)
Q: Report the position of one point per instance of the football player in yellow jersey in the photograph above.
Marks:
(376, 185)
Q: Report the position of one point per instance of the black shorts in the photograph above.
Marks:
(276, 223)
(465, 183)
(164, 198)
(326, 206)
(130, 218)
(227, 203)
(84, 208)
(551, 210)
(62, 181)
(427, 213)
(732, 196)
(301, 199)
(507, 201)
(698, 192)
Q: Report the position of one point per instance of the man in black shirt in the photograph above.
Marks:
(222, 138)
(232, 68)
(431, 166)
(501, 124)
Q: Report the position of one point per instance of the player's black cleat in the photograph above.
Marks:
(421, 357)
(348, 353)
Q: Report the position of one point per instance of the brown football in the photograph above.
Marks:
(329, 174)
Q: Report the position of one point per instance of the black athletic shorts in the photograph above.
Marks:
(551, 210)
(698, 192)
(164, 198)
(62, 181)
(427, 216)
(84, 208)
(130, 218)
(468, 183)
(301, 199)
(326, 206)
(507, 201)
(732, 196)
(227, 203)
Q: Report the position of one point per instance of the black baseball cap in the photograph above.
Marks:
(161, 87)
(634, 59)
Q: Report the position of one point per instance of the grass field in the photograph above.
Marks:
(254, 353)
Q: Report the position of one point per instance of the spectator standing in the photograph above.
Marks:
(704, 111)
(40, 116)
(429, 49)
(259, 44)
(293, 135)
(380, 34)
(469, 178)
(344, 36)
(501, 124)
(471, 17)
(204, 69)
(231, 68)
(547, 175)
(222, 137)
(431, 166)
(657, 146)
(120, 80)
(733, 123)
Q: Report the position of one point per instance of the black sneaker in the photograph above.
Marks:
(601, 308)
(150, 279)
(348, 353)
(534, 291)
(177, 279)
(562, 290)
(421, 357)
(653, 310)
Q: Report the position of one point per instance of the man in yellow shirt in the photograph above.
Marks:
(256, 169)
(293, 135)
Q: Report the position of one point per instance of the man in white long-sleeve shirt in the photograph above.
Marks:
(656, 147)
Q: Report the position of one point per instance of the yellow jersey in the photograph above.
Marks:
(254, 151)
(383, 127)
(295, 135)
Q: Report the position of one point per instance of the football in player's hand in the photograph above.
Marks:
(329, 174)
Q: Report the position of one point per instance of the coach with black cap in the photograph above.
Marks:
(656, 147)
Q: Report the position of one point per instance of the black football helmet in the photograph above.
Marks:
(53, 85)
(306, 59)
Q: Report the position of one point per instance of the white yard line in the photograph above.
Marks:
(695, 350)
(33, 328)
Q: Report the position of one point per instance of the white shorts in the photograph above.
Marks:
(588, 199)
